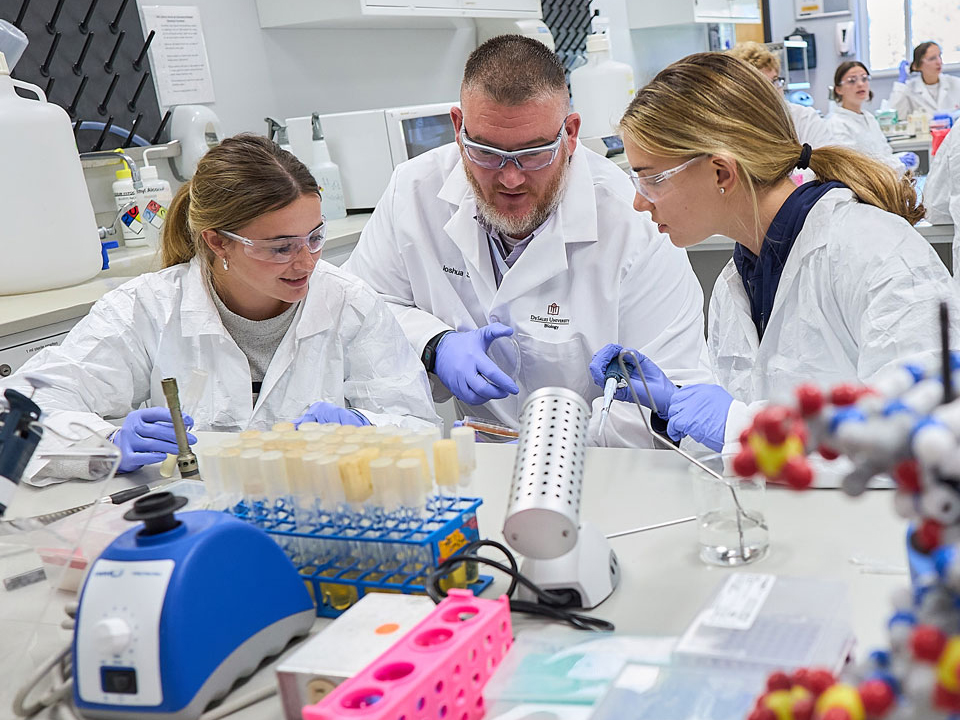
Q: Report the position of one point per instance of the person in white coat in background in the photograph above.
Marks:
(811, 128)
(517, 236)
(941, 191)
(856, 128)
(829, 282)
(931, 90)
(243, 296)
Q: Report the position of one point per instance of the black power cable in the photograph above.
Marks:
(551, 604)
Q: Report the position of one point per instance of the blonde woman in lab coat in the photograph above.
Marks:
(244, 296)
(811, 128)
(931, 90)
(856, 128)
(829, 281)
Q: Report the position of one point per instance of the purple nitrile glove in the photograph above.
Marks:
(464, 367)
(910, 160)
(700, 412)
(904, 71)
(147, 437)
(661, 387)
(324, 412)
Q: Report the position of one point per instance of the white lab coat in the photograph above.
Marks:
(859, 292)
(941, 191)
(811, 128)
(861, 131)
(343, 345)
(596, 272)
(912, 95)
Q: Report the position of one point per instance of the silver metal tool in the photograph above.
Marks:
(186, 460)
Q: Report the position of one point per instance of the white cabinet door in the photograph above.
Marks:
(711, 10)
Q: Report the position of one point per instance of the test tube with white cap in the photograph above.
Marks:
(208, 457)
(254, 487)
(414, 481)
(324, 471)
(466, 440)
(446, 467)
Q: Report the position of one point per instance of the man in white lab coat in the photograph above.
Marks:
(510, 256)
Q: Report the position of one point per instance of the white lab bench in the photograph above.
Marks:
(32, 321)
(815, 534)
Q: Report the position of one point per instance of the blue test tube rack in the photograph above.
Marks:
(343, 556)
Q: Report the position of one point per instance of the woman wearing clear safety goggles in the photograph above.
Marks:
(828, 283)
(244, 296)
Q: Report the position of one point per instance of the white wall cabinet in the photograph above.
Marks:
(387, 13)
(645, 14)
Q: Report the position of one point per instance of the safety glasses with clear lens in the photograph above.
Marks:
(651, 187)
(855, 80)
(281, 249)
(528, 159)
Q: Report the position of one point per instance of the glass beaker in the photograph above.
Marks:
(731, 527)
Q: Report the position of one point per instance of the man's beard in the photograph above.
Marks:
(512, 225)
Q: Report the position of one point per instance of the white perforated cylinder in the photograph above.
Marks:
(544, 507)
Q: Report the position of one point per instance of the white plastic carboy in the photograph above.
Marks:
(48, 233)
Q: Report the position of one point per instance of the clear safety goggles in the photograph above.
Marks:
(855, 80)
(651, 187)
(281, 249)
(528, 159)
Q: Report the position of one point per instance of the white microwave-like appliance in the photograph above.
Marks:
(369, 144)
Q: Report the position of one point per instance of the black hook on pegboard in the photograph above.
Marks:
(72, 108)
(102, 107)
(108, 65)
(133, 130)
(85, 23)
(52, 23)
(103, 133)
(78, 65)
(163, 124)
(45, 68)
(138, 63)
(115, 25)
(20, 15)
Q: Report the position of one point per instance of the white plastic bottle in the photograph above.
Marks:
(157, 198)
(601, 89)
(327, 174)
(44, 246)
(131, 223)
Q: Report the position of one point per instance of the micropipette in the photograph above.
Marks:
(614, 380)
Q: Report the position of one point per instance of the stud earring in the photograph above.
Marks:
(226, 265)
(722, 191)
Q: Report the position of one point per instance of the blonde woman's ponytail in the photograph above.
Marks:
(871, 181)
(177, 244)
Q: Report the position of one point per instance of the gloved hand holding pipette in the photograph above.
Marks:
(697, 411)
(147, 437)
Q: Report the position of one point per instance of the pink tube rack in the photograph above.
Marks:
(436, 671)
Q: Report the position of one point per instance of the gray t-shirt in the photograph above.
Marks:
(258, 339)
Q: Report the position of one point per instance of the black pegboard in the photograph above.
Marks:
(75, 20)
(569, 23)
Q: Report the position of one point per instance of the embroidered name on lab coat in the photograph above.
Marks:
(454, 271)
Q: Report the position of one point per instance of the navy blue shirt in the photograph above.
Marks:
(761, 275)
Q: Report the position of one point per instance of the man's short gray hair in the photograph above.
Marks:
(512, 70)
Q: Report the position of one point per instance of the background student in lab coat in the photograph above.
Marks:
(245, 297)
(811, 128)
(941, 191)
(829, 281)
(930, 90)
(518, 236)
(855, 127)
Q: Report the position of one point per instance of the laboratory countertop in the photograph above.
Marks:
(19, 313)
(816, 534)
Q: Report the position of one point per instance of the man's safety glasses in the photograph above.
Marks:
(281, 249)
(528, 159)
(651, 186)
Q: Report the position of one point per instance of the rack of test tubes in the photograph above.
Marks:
(357, 509)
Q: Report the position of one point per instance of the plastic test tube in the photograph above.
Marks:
(210, 472)
(251, 480)
(324, 471)
(386, 489)
(446, 467)
(466, 440)
(413, 487)
(283, 426)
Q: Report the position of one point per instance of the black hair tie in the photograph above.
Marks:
(804, 162)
